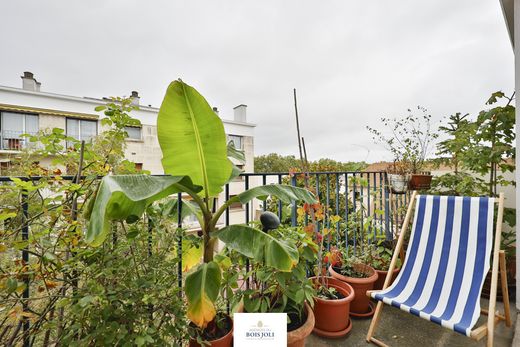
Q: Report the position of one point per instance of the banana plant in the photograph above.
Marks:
(197, 161)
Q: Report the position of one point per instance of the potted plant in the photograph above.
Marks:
(351, 265)
(398, 178)
(380, 258)
(195, 154)
(278, 288)
(333, 297)
(218, 333)
(361, 277)
(410, 140)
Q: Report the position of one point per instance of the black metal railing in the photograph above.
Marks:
(343, 193)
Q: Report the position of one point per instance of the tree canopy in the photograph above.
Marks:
(274, 162)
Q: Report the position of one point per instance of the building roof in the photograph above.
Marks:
(26, 109)
(82, 100)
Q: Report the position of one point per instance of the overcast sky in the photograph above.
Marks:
(351, 62)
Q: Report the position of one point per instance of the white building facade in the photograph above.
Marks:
(28, 110)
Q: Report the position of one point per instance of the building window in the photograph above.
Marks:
(5, 165)
(133, 133)
(237, 141)
(81, 129)
(236, 205)
(13, 125)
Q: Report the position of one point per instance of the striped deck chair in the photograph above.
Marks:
(447, 260)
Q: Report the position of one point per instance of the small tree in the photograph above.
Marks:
(492, 152)
(410, 139)
(195, 154)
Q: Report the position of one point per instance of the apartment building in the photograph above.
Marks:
(28, 109)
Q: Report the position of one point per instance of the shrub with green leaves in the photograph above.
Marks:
(124, 293)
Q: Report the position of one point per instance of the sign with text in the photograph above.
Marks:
(260, 329)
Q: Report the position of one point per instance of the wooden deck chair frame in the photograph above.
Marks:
(486, 329)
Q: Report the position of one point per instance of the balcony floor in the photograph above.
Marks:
(398, 328)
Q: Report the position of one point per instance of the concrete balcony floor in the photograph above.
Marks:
(398, 328)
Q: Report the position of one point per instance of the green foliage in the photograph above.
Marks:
(125, 197)
(277, 163)
(196, 154)
(202, 290)
(476, 148)
(128, 295)
(117, 294)
(273, 290)
(409, 139)
(480, 150)
(192, 139)
(452, 149)
(260, 246)
(283, 192)
(458, 184)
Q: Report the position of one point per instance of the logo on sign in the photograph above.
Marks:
(260, 329)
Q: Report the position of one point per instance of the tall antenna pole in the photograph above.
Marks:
(298, 127)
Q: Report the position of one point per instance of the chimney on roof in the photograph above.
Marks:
(215, 110)
(29, 82)
(135, 98)
(239, 113)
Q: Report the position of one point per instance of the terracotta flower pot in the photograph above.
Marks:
(224, 341)
(420, 182)
(297, 337)
(333, 316)
(360, 306)
(381, 277)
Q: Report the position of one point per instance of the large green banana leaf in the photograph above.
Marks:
(188, 208)
(125, 197)
(283, 192)
(235, 153)
(192, 139)
(235, 172)
(202, 289)
(258, 245)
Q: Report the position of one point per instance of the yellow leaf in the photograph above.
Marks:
(335, 219)
(3, 247)
(191, 255)
(51, 284)
(202, 311)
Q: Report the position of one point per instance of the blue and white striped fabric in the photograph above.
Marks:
(446, 262)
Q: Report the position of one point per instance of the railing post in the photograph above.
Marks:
(25, 262)
(354, 207)
(246, 183)
(226, 197)
(389, 233)
(280, 206)
(337, 207)
(179, 242)
(293, 212)
(149, 224)
(346, 210)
